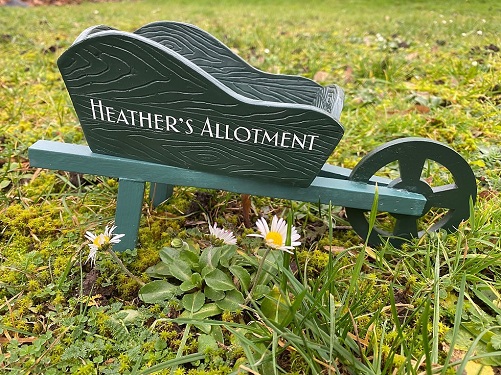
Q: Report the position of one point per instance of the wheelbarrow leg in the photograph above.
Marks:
(159, 193)
(128, 212)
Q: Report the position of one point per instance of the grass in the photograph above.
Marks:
(418, 68)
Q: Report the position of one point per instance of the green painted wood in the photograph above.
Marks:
(138, 99)
(159, 193)
(79, 158)
(333, 171)
(412, 156)
(207, 52)
(128, 212)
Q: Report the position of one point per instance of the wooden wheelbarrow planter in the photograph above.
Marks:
(171, 105)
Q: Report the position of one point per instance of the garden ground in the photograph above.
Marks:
(424, 68)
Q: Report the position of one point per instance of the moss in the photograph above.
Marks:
(125, 363)
(59, 299)
(44, 184)
(168, 335)
(146, 257)
(30, 231)
(398, 361)
(86, 369)
(127, 287)
(102, 322)
(39, 220)
(17, 245)
(228, 316)
(33, 285)
(157, 234)
(43, 226)
(60, 263)
(222, 370)
(315, 262)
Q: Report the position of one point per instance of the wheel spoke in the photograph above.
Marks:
(447, 196)
(411, 154)
(405, 226)
(411, 167)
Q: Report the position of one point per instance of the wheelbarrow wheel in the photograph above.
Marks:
(421, 166)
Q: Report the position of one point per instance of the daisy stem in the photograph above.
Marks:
(122, 266)
(287, 257)
(286, 265)
(258, 274)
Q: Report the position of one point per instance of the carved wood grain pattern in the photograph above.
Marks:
(330, 99)
(223, 64)
(124, 71)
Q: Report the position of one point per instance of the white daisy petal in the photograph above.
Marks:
(90, 236)
(275, 237)
(92, 254)
(294, 235)
(101, 240)
(262, 226)
(224, 235)
(274, 223)
(282, 224)
(116, 238)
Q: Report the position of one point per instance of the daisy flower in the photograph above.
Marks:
(224, 235)
(276, 235)
(100, 241)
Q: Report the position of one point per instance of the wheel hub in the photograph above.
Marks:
(419, 187)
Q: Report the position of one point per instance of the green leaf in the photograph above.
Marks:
(213, 295)
(187, 285)
(227, 254)
(205, 312)
(207, 344)
(274, 306)
(192, 246)
(232, 301)
(270, 265)
(193, 301)
(210, 257)
(260, 291)
(206, 270)
(496, 342)
(157, 291)
(242, 275)
(189, 257)
(159, 270)
(169, 255)
(196, 279)
(217, 333)
(194, 282)
(218, 280)
(189, 358)
(181, 270)
(4, 184)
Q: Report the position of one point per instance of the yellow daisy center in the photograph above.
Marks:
(101, 240)
(274, 238)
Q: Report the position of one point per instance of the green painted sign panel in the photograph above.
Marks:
(172, 94)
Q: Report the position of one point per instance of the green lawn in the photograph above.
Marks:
(421, 68)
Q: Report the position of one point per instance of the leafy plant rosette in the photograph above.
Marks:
(205, 282)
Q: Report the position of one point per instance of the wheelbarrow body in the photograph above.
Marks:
(139, 99)
(172, 105)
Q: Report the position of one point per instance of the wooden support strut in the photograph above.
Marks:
(160, 193)
(133, 174)
(128, 212)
